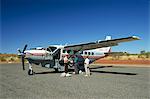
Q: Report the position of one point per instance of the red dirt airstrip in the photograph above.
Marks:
(127, 62)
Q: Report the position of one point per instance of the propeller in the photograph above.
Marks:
(22, 54)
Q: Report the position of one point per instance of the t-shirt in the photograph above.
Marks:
(76, 59)
(65, 59)
(87, 61)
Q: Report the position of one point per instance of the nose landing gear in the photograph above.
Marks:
(30, 71)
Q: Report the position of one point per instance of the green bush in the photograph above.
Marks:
(11, 59)
(3, 59)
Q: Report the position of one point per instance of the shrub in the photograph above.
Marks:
(3, 59)
(11, 59)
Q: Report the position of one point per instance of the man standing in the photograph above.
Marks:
(76, 65)
(86, 66)
(66, 62)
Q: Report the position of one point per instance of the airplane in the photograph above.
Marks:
(52, 56)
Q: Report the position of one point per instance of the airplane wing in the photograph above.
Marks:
(100, 44)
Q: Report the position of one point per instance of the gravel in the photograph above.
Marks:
(108, 82)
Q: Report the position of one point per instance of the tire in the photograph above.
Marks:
(30, 72)
(56, 70)
(42, 64)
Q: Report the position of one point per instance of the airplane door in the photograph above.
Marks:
(48, 56)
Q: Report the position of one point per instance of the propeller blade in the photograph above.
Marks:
(22, 54)
(24, 48)
(23, 62)
(19, 50)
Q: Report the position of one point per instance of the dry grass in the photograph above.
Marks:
(9, 58)
(13, 58)
(124, 57)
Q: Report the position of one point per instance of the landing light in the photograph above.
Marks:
(135, 37)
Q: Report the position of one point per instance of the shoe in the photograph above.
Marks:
(86, 75)
(63, 75)
(75, 73)
(68, 75)
(80, 72)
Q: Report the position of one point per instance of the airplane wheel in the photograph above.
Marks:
(30, 72)
(56, 69)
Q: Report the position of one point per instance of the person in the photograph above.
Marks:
(66, 62)
(76, 65)
(86, 66)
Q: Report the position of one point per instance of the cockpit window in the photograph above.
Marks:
(39, 48)
(32, 48)
(51, 48)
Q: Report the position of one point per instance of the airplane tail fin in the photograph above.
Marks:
(108, 38)
(105, 49)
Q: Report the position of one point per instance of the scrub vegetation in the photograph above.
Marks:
(9, 58)
(13, 58)
(128, 56)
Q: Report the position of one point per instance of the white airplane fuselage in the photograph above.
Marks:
(52, 56)
(40, 55)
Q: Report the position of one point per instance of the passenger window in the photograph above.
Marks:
(85, 53)
(68, 51)
(92, 53)
(81, 52)
(64, 51)
(89, 53)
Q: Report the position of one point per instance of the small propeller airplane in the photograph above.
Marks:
(52, 56)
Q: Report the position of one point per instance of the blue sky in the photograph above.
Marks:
(45, 22)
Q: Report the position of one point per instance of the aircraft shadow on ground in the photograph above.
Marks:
(97, 67)
(52, 72)
(93, 69)
(109, 72)
(47, 72)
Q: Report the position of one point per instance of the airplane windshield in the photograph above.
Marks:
(32, 49)
(51, 48)
(37, 48)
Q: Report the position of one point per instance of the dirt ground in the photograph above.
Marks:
(106, 82)
(131, 62)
